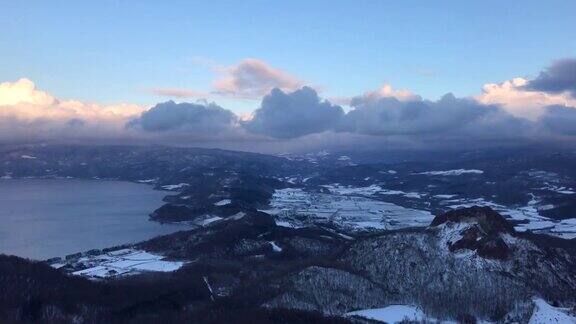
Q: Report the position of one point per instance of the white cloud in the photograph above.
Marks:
(508, 110)
(513, 97)
(252, 78)
(249, 79)
(29, 113)
(385, 91)
(23, 91)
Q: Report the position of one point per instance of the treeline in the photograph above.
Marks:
(33, 292)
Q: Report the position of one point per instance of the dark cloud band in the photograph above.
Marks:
(289, 115)
(557, 78)
(184, 117)
(302, 113)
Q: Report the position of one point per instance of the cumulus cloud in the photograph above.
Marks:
(23, 91)
(513, 96)
(22, 101)
(204, 119)
(253, 78)
(29, 113)
(249, 79)
(385, 91)
(404, 117)
(559, 77)
(289, 115)
(385, 113)
(390, 116)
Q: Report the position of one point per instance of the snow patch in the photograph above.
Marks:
(444, 196)
(237, 216)
(211, 220)
(120, 262)
(545, 313)
(175, 186)
(148, 180)
(275, 247)
(285, 223)
(456, 172)
(394, 314)
(558, 189)
(223, 202)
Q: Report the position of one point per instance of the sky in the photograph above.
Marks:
(124, 57)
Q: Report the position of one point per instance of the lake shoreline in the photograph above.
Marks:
(41, 214)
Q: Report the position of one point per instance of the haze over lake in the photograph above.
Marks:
(43, 218)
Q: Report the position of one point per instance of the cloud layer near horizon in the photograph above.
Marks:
(29, 114)
(520, 109)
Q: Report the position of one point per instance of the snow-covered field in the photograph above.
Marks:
(357, 208)
(552, 182)
(370, 191)
(395, 314)
(545, 313)
(120, 263)
(345, 208)
(529, 215)
(558, 189)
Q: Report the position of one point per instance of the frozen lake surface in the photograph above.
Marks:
(44, 218)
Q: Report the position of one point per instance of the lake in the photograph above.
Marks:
(44, 218)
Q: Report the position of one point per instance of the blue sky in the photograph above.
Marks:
(112, 51)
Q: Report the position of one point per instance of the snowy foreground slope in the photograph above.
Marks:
(543, 313)
(468, 263)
